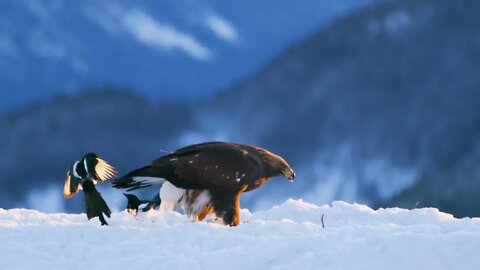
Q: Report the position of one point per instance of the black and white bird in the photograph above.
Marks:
(208, 178)
(85, 174)
(133, 203)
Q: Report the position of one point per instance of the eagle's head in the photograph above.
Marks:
(277, 165)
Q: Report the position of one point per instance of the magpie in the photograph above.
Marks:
(85, 174)
(133, 203)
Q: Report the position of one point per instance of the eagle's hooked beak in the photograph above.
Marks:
(290, 175)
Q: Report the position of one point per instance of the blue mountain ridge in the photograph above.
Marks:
(163, 49)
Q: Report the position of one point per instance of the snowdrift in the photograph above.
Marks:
(289, 236)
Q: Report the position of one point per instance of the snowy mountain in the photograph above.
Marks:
(41, 142)
(288, 236)
(168, 49)
(380, 107)
(370, 107)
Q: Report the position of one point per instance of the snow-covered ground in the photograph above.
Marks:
(289, 236)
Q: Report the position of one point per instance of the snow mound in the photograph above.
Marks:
(289, 236)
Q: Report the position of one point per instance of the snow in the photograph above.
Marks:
(288, 236)
(345, 176)
(51, 199)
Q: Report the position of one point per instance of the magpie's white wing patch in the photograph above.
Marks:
(104, 171)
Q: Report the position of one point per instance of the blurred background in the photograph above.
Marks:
(371, 101)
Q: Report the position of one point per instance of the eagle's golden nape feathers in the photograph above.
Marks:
(104, 170)
(277, 162)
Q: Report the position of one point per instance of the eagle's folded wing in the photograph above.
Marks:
(202, 166)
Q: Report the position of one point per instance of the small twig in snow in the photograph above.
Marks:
(416, 204)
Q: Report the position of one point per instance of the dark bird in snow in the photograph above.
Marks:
(133, 203)
(85, 174)
(209, 177)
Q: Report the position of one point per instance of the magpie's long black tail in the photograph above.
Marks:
(96, 205)
(136, 179)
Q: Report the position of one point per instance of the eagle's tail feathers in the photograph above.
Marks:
(139, 178)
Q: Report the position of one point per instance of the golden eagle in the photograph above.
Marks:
(209, 177)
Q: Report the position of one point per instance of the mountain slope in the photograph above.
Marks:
(369, 106)
(381, 107)
(41, 142)
(167, 49)
(288, 236)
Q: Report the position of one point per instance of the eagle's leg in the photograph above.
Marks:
(204, 213)
(227, 206)
(231, 217)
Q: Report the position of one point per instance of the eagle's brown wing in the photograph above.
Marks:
(212, 165)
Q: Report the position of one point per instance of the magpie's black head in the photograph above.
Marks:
(90, 158)
(96, 168)
(79, 170)
(132, 202)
